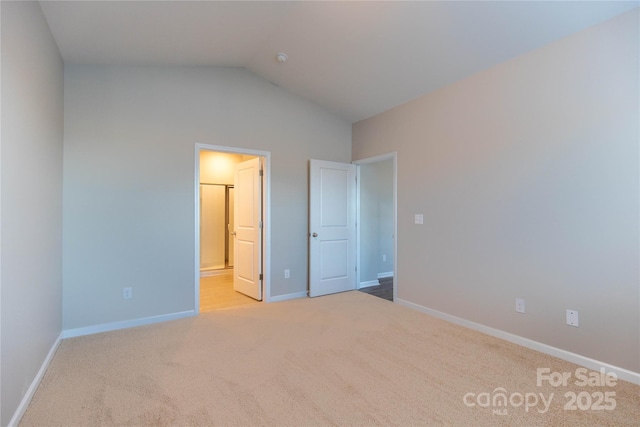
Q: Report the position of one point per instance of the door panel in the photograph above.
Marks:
(246, 269)
(248, 233)
(334, 197)
(333, 259)
(332, 227)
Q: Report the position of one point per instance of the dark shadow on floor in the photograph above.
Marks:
(384, 290)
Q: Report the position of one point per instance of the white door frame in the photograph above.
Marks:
(389, 156)
(266, 216)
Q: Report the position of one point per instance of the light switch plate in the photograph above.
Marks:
(419, 219)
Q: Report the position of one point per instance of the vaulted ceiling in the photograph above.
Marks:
(354, 58)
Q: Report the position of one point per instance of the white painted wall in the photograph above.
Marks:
(218, 168)
(368, 224)
(527, 176)
(384, 176)
(31, 199)
(130, 135)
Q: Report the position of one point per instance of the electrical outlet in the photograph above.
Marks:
(384, 258)
(520, 305)
(418, 219)
(127, 293)
(572, 318)
(287, 274)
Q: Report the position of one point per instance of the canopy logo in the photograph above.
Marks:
(500, 400)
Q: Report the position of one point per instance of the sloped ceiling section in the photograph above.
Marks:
(354, 58)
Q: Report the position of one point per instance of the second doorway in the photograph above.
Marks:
(224, 281)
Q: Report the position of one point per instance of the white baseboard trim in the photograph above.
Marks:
(368, 284)
(218, 272)
(26, 399)
(595, 365)
(207, 273)
(385, 275)
(105, 327)
(286, 297)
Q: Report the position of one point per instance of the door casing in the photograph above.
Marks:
(266, 216)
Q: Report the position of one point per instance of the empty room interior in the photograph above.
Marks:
(193, 195)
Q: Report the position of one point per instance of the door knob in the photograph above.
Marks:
(315, 234)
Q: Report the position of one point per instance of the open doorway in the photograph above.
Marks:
(353, 221)
(231, 227)
(377, 226)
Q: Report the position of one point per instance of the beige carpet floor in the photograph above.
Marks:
(344, 359)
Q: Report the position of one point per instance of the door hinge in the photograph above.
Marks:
(260, 276)
(260, 224)
(261, 172)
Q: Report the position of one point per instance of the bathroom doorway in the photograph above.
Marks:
(223, 279)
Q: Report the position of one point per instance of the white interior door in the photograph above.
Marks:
(332, 227)
(248, 231)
